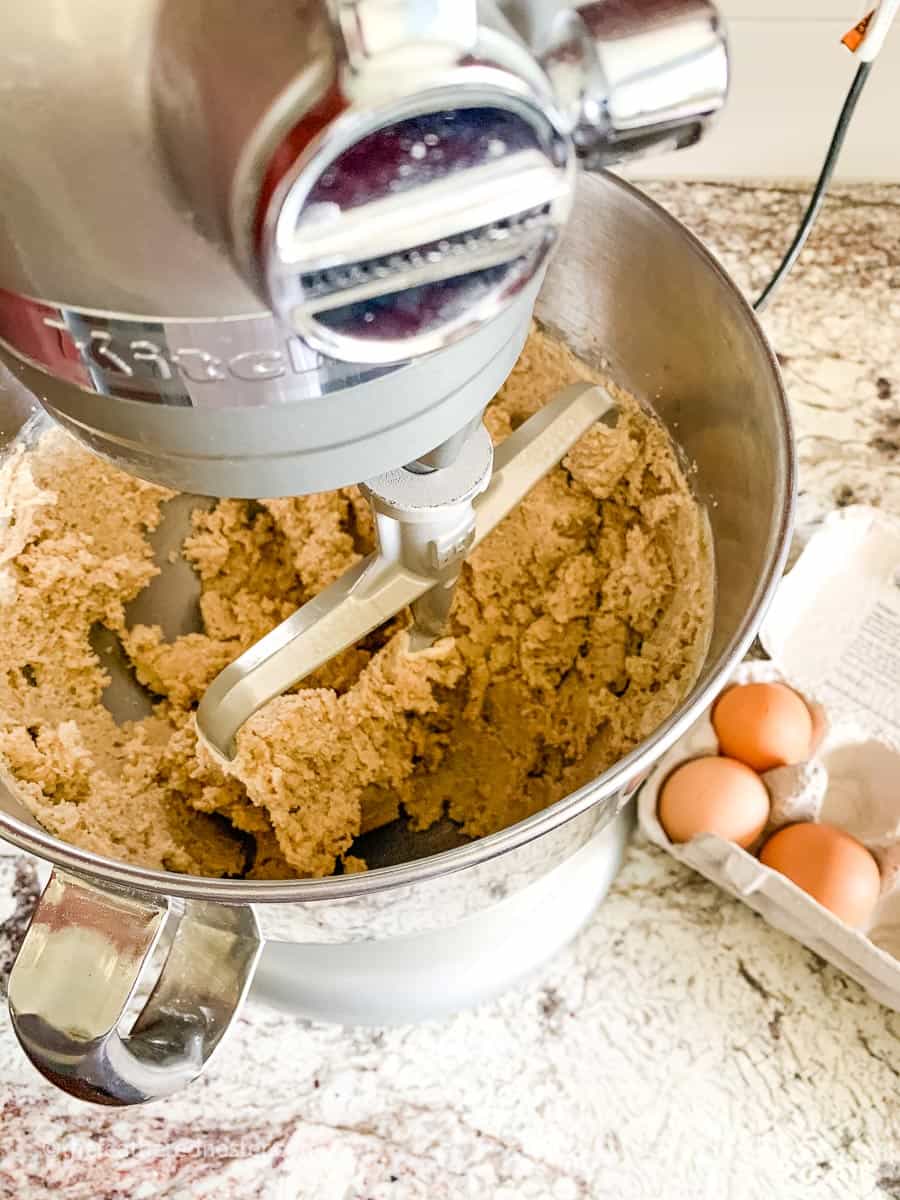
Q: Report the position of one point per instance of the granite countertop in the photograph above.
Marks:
(680, 1049)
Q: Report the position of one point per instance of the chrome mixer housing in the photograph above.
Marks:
(262, 249)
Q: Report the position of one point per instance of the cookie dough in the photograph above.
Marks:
(577, 627)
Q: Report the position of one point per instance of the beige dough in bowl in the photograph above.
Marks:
(577, 627)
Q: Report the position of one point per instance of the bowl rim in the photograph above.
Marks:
(625, 771)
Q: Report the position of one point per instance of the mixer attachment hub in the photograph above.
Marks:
(399, 234)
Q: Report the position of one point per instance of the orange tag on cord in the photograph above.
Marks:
(854, 39)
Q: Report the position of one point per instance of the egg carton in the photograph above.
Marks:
(832, 634)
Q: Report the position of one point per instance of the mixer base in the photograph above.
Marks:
(422, 976)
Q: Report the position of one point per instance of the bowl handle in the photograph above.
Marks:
(80, 964)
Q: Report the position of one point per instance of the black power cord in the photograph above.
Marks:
(818, 196)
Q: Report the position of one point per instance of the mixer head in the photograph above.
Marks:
(283, 247)
(277, 248)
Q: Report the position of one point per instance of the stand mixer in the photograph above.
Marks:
(386, 181)
(257, 250)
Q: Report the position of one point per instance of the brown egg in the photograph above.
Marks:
(764, 725)
(714, 795)
(832, 866)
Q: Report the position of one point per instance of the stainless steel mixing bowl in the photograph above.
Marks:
(430, 930)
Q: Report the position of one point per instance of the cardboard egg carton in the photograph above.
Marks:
(833, 634)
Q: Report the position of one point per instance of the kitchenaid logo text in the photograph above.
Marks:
(145, 358)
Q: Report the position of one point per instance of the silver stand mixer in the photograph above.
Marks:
(253, 250)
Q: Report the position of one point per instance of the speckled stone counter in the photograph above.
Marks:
(679, 1049)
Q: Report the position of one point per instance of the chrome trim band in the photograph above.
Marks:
(236, 362)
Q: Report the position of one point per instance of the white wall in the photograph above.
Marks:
(790, 74)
